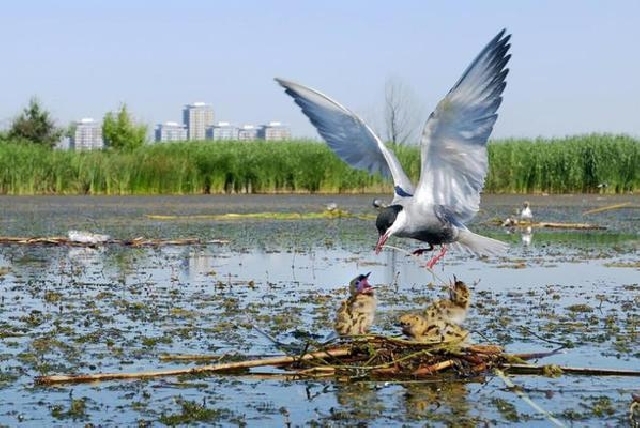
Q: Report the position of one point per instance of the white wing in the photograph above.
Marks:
(348, 136)
(454, 139)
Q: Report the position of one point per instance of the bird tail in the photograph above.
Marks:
(481, 245)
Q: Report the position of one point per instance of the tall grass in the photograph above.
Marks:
(575, 164)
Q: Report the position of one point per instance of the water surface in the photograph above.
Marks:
(114, 308)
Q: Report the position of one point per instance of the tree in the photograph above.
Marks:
(35, 125)
(401, 112)
(120, 132)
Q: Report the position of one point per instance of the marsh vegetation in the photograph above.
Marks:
(591, 163)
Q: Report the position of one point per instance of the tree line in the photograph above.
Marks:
(34, 125)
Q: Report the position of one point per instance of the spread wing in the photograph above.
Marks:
(454, 139)
(348, 136)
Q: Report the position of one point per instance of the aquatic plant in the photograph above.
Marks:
(587, 163)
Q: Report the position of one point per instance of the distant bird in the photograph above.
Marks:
(332, 206)
(356, 314)
(443, 320)
(525, 214)
(453, 152)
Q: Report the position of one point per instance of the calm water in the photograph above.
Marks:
(112, 309)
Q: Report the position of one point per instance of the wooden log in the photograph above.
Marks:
(611, 207)
(86, 378)
(543, 369)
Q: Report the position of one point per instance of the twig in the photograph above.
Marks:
(581, 226)
(610, 207)
(134, 242)
(536, 355)
(433, 368)
(286, 347)
(553, 342)
(187, 357)
(543, 369)
(523, 395)
(85, 378)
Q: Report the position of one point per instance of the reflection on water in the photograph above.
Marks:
(525, 233)
(423, 400)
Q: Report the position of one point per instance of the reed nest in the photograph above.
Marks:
(371, 357)
(388, 357)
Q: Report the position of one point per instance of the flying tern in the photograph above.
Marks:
(454, 159)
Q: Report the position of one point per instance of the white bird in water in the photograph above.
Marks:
(453, 153)
(526, 214)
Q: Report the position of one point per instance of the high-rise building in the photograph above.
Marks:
(171, 131)
(87, 135)
(222, 131)
(274, 131)
(197, 117)
(248, 133)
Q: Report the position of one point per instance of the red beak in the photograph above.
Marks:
(381, 240)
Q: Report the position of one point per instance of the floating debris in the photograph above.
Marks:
(328, 213)
(87, 237)
(627, 205)
(512, 222)
(134, 242)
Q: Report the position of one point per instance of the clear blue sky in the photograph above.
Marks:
(575, 66)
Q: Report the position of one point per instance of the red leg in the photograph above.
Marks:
(431, 263)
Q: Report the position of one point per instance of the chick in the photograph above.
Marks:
(455, 308)
(356, 314)
(443, 319)
(436, 329)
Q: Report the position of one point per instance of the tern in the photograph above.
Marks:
(454, 159)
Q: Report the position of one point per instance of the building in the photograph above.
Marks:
(222, 131)
(171, 131)
(274, 131)
(197, 117)
(87, 135)
(248, 133)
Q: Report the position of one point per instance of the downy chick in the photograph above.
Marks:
(355, 315)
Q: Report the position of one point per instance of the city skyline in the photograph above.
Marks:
(573, 67)
(198, 124)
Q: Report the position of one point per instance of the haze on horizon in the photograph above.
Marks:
(574, 67)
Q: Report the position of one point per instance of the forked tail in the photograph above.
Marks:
(481, 245)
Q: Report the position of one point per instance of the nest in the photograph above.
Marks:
(383, 357)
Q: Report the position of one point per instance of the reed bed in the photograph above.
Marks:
(589, 163)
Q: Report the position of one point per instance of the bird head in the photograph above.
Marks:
(360, 285)
(388, 223)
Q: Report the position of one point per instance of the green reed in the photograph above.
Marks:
(574, 164)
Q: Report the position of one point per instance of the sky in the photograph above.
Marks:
(575, 65)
